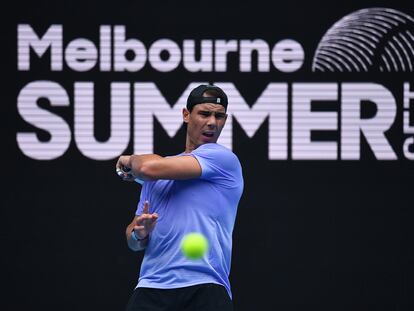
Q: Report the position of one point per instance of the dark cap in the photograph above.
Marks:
(196, 96)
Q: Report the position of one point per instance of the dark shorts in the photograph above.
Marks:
(202, 297)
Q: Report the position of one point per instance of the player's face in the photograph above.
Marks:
(204, 123)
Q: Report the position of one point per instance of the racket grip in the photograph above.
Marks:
(126, 169)
(141, 182)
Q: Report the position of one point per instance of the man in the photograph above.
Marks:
(195, 191)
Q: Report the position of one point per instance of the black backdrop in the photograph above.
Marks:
(309, 235)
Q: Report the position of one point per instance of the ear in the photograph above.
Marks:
(186, 115)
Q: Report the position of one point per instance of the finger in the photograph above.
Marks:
(127, 177)
(146, 207)
(118, 169)
(120, 162)
(144, 218)
(149, 217)
(139, 227)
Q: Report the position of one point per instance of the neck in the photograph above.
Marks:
(189, 145)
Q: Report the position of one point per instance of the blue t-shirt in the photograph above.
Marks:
(207, 205)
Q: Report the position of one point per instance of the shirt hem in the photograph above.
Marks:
(162, 286)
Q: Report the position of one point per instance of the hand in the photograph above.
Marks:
(145, 223)
(123, 169)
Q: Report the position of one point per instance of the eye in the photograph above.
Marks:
(220, 115)
(204, 113)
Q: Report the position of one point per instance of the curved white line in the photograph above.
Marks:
(386, 63)
(326, 45)
(379, 25)
(359, 40)
(410, 46)
(322, 62)
(392, 58)
(351, 44)
(410, 34)
(335, 56)
(398, 54)
(374, 34)
(346, 48)
(374, 26)
(362, 44)
(392, 16)
(402, 47)
(362, 36)
(330, 61)
(336, 47)
(384, 28)
(383, 19)
(321, 66)
(317, 67)
(392, 11)
(353, 19)
(357, 45)
(382, 14)
(363, 31)
(358, 34)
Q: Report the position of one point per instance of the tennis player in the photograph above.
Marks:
(195, 191)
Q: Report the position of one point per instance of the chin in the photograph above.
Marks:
(205, 140)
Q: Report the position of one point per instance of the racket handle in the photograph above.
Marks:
(126, 169)
(141, 182)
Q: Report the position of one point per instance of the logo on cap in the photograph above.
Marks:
(218, 100)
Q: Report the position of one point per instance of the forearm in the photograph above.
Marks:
(154, 167)
(139, 165)
(133, 243)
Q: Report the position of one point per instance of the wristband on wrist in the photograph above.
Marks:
(136, 237)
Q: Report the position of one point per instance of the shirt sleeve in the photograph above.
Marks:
(218, 164)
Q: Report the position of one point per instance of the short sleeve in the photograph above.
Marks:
(218, 164)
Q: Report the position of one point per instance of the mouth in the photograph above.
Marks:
(208, 134)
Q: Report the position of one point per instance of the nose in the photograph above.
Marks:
(212, 121)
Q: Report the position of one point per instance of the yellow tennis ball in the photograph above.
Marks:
(194, 245)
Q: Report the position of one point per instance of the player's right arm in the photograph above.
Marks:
(154, 167)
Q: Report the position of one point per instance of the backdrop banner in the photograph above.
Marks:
(321, 115)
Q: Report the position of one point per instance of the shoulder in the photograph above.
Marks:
(214, 148)
(219, 163)
(217, 154)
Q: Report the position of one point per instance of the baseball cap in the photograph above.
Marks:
(196, 96)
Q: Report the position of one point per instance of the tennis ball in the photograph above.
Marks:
(194, 245)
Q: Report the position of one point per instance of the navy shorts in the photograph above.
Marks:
(202, 297)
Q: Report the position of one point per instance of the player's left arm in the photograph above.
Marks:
(153, 167)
